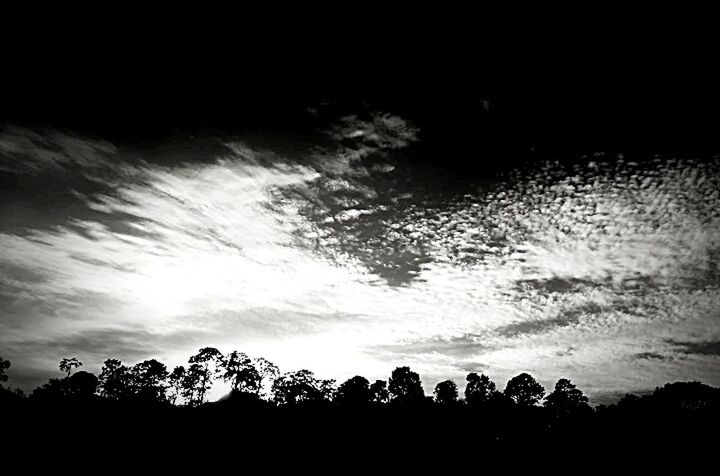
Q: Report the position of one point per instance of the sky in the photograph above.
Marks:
(341, 254)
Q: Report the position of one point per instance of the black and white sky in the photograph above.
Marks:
(559, 216)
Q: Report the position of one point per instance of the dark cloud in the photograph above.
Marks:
(555, 284)
(651, 356)
(700, 348)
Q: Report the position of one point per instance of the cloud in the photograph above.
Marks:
(342, 260)
(711, 348)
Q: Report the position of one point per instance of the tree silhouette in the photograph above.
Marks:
(204, 367)
(81, 386)
(115, 380)
(524, 390)
(240, 371)
(67, 365)
(4, 365)
(268, 373)
(149, 381)
(566, 398)
(446, 393)
(354, 392)
(479, 389)
(378, 392)
(175, 384)
(299, 387)
(405, 386)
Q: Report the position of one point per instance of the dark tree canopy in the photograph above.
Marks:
(524, 390)
(479, 389)
(149, 381)
(405, 386)
(446, 393)
(378, 392)
(354, 392)
(79, 386)
(566, 398)
(115, 380)
(300, 387)
(247, 375)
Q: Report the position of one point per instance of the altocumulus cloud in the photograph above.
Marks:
(338, 259)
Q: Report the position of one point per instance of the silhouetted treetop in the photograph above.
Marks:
(354, 392)
(446, 392)
(405, 386)
(67, 365)
(524, 390)
(566, 398)
(299, 387)
(479, 389)
(149, 381)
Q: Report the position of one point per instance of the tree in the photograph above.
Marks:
(524, 390)
(175, 384)
(354, 392)
(379, 392)
(192, 384)
(149, 381)
(300, 387)
(67, 365)
(566, 398)
(446, 393)
(115, 380)
(405, 386)
(479, 389)
(79, 386)
(241, 372)
(268, 373)
(4, 365)
(205, 366)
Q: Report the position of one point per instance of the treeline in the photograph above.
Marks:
(259, 381)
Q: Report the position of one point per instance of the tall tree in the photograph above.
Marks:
(149, 380)
(566, 398)
(524, 390)
(241, 372)
(175, 384)
(115, 380)
(479, 389)
(268, 373)
(446, 393)
(204, 367)
(405, 386)
(67, 365)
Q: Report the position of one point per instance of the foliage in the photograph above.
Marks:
(446, 393)
(405, 386)
(479, 389)
(524, 390)
(67, 365)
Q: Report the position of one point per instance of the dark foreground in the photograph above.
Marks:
(679, 428)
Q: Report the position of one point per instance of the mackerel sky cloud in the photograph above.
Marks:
(342, 259)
